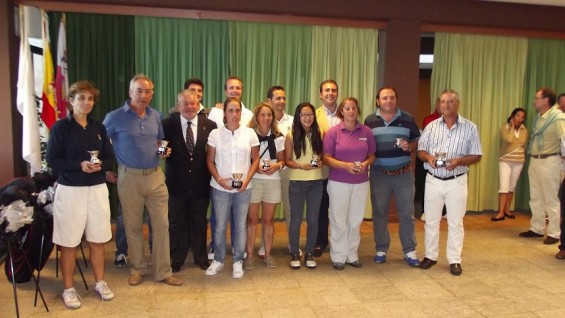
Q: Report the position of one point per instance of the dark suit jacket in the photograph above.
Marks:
(187, 174)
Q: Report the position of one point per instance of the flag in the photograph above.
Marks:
(27, 106)
(49, 109)
(62, 78)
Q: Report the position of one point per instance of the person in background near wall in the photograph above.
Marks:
(81, 204)
(349, 151)
(188, 180)
(266, 192)
(303, 153)
(455, 140)
(545, 167)
(326, 115)
(196, 86)
(513, 139)
(396, 134)
(420, 173)
(561, 253)
(136, 131)
(233, 158)
(276, 96)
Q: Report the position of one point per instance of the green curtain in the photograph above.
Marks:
(263, 55)
(172, 50)
(488, 72)
(100, 48)
(545, 67)
(349, 56)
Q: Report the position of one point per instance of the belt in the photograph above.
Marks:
(398, 171)
(144, 172)
(446, 178)
(545, 156)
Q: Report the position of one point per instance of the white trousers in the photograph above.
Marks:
(452, 193)
(347, 208)
(545, 179)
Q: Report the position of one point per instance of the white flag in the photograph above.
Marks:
(61, 77)
(27, 106)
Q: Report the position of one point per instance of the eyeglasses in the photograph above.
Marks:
(307, 115)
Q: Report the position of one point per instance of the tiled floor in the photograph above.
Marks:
(503, 276)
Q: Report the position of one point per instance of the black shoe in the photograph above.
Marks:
(550, 240)
(338, 266)
(510, 216)
(203, 265)
(319, 249)
(495, 219)
(309, 261)
(120, 261)
(530, 233)
(356, 264)
(426, 263)
(455, 269)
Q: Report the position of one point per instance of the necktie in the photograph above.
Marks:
(189, 138)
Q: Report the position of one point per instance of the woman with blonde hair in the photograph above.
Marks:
(266, 192)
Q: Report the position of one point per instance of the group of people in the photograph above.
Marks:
(322, 163)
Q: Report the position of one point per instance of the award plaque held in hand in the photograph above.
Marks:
(441, 161)
(397, 142)
(236, 182)
(315, 161)
(94, 156)
(162, 147)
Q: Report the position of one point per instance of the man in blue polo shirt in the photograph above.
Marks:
(135, 130)
(396, 135)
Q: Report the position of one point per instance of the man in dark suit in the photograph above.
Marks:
(188, 180)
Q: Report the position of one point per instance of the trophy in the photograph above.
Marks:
(315, 161)
(266, 164)
(94, 156)
(162, 151)
(397, 143)
(357, 166)
(441, 161)
(236, 182)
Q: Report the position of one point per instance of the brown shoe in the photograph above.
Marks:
(172, 280)
(135, 279)
(550, 240)
(560, 255)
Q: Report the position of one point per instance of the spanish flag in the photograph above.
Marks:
(49, 109)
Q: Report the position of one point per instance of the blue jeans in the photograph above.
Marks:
(383, 187)
(300, 192)
(224, 202)
(121, 240)
(213, 224)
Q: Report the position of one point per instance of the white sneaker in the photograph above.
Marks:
(214, 268)
(423, 217)
(103, 290)
(261, 251)
(71, 298)
(237, 269)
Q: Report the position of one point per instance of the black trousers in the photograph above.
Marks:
(323, 218)
(187, 227)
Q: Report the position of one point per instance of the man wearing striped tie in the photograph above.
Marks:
(187, 180)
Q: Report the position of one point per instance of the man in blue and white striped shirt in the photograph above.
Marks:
(458, 138)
